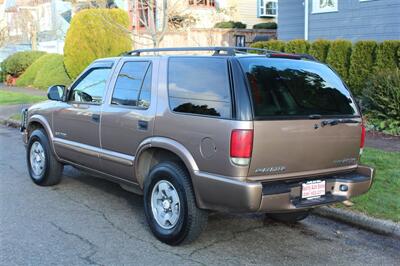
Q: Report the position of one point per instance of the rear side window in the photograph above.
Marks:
(286, 87)
(133, 85)
(199, 86)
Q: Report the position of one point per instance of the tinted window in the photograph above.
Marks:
(91, 87)
(133, 85)
(286, 87)
(199, 86)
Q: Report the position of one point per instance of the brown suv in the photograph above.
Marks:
(232, 131)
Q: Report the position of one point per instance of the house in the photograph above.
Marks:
(339, 19)
(207, 12)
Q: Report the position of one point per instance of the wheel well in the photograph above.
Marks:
(152, 156)
(33, 126)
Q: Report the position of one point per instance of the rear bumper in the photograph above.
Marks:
(225, 194)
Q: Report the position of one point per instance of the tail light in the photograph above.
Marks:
(362, 141)
(241, 146)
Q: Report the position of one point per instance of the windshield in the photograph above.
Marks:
(295, 88)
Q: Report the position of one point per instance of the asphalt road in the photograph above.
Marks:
(86, 220)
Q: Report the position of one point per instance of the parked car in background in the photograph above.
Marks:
(233, 131)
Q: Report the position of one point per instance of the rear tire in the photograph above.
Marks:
(289, 217)
(170, 205)
(43, 167)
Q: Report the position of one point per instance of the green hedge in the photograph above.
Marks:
(387, 56)
(297, 47)
(230, 25)
(95, 33)
(339, 57)
(17, 63)
(46, 71)
(361, 65)
(266, 26)
(274, 45)
(319, 49)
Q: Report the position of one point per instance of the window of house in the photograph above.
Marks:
(91, 87)
(240, 40)
(133, 85)
(199, 86)
(323, 6)
(268, 8)
(204, 3)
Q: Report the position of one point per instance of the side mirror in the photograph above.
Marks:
(56, 92)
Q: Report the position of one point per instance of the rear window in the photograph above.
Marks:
(199, 86)
(295, 88)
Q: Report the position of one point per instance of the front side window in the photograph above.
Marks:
(295, 88)
(133, 85)
(199, 86)
(91, 87)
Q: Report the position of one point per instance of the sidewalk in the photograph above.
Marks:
(381, 141)
(31, 91)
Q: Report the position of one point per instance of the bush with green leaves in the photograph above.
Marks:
(274, 45)
(387, 56)
(230, 25)
(95, 33)
(297, 47)
(361, 65)
(266, 26)
(339, 57)
(382, 97)
(319, 49)
(18, 62)
(46, 71)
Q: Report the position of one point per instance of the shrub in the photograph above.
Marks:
(319, 49)
(339, 57)
(230, 25)
(95, 33)
(361, 65)
(17, 63)
(266, 25)
(274, 45)
(386, 55)
(44, 72)
(382, 95)
(297, 47)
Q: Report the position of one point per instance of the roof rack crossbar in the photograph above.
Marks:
(222, 50)
(231, 51)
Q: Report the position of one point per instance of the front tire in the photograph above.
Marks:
(170, 205)
(43, 167)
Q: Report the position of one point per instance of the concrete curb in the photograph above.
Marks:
(380, 226)
(10, 123)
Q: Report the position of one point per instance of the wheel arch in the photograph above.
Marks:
(157, 149)
(39, 121)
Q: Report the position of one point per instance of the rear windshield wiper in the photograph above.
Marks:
(334, 122)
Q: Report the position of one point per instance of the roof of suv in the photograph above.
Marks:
(222, 51)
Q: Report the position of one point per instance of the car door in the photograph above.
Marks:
(128, 115)
(76, 124)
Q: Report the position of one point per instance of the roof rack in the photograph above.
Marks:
(222, 50)
(230, 51)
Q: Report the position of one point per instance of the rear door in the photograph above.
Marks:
(306, 122)
(128, 115)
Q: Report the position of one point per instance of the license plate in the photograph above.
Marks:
(313, 189)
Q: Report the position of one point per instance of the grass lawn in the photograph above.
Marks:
(15, 117)
(8, 97)
(383, 199)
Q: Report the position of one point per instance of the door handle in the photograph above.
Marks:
(96, 117)
(142, 125)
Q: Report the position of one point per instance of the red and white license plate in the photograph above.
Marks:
(313, 189)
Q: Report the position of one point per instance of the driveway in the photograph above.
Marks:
(86, 220)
